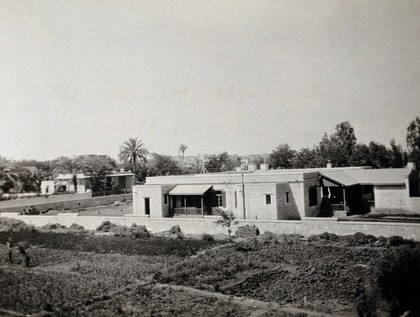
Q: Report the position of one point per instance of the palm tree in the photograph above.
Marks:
(133, 151)
(8, 173)
(70, 165)
(182, 148)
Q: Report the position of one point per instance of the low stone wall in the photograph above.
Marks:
(68, 204)
(305, 227)
(42, 200)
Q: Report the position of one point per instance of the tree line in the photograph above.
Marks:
(340, 149)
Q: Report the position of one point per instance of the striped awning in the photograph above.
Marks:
(192, 190)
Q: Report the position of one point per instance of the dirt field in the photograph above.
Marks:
(79, 274)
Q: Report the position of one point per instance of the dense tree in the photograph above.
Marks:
(361, 155)
(69, 165)
(162, 165)
(27, 181)
(339, 146)
(413, 140)
(43, 170)
(379, 155)
(307, 158)
(282, 156)
(97, 168)
(8, 175)
(220, 163)
(133, 152)
(397, 155)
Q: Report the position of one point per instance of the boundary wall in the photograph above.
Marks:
(42, 200)
(305, 227)
(76, 201)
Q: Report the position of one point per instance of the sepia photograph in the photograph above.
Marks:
(210, 158)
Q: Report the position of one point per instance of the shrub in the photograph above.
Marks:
(174, 233)
(124, 231)
(324, 236)
(106, 226)
(207, 237)
(31, 210)
(75, 226)
(120, 230)
(398, 285)
(360, 239)
(14, 225)
(247, 232)
(228, 220)
(397, 241)
(139, 232)
(53, 226)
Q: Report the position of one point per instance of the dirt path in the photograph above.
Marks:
(263, 307)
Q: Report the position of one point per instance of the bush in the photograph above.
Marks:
(174, 233)
(139, 231)
(397, 241)
(324, 236)
(53, 226)
(268, 237)
(247, 232)
(75, 226)
(124, 231)
(207, 237)
(359, 239)
(14, 225)
(31, 210)
(106, 226)
(397, 287)
(120, 230)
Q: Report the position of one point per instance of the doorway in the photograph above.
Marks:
(147, 206)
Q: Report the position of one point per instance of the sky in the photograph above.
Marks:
(80, 77)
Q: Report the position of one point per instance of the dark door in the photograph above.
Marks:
(147, 206)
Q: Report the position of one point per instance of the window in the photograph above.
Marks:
(313, 196)
(219, 198)
(236, 199)
(165, 199)
(268, 199)
(47, 189)
(287, 197)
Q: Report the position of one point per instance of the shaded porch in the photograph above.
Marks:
(191, 201)
(347, 196)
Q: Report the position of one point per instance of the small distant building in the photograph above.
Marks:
(64, 183)
(279, 194)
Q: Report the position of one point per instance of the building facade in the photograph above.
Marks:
(64, 183)
(257, 195)
(278, 194)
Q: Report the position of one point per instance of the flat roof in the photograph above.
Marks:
(388, 176)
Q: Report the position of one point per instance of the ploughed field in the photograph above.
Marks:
(80, 274)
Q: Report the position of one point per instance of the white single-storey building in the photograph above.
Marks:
(64, 182)
(278, 194)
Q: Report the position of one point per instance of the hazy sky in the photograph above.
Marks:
(79, 77)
